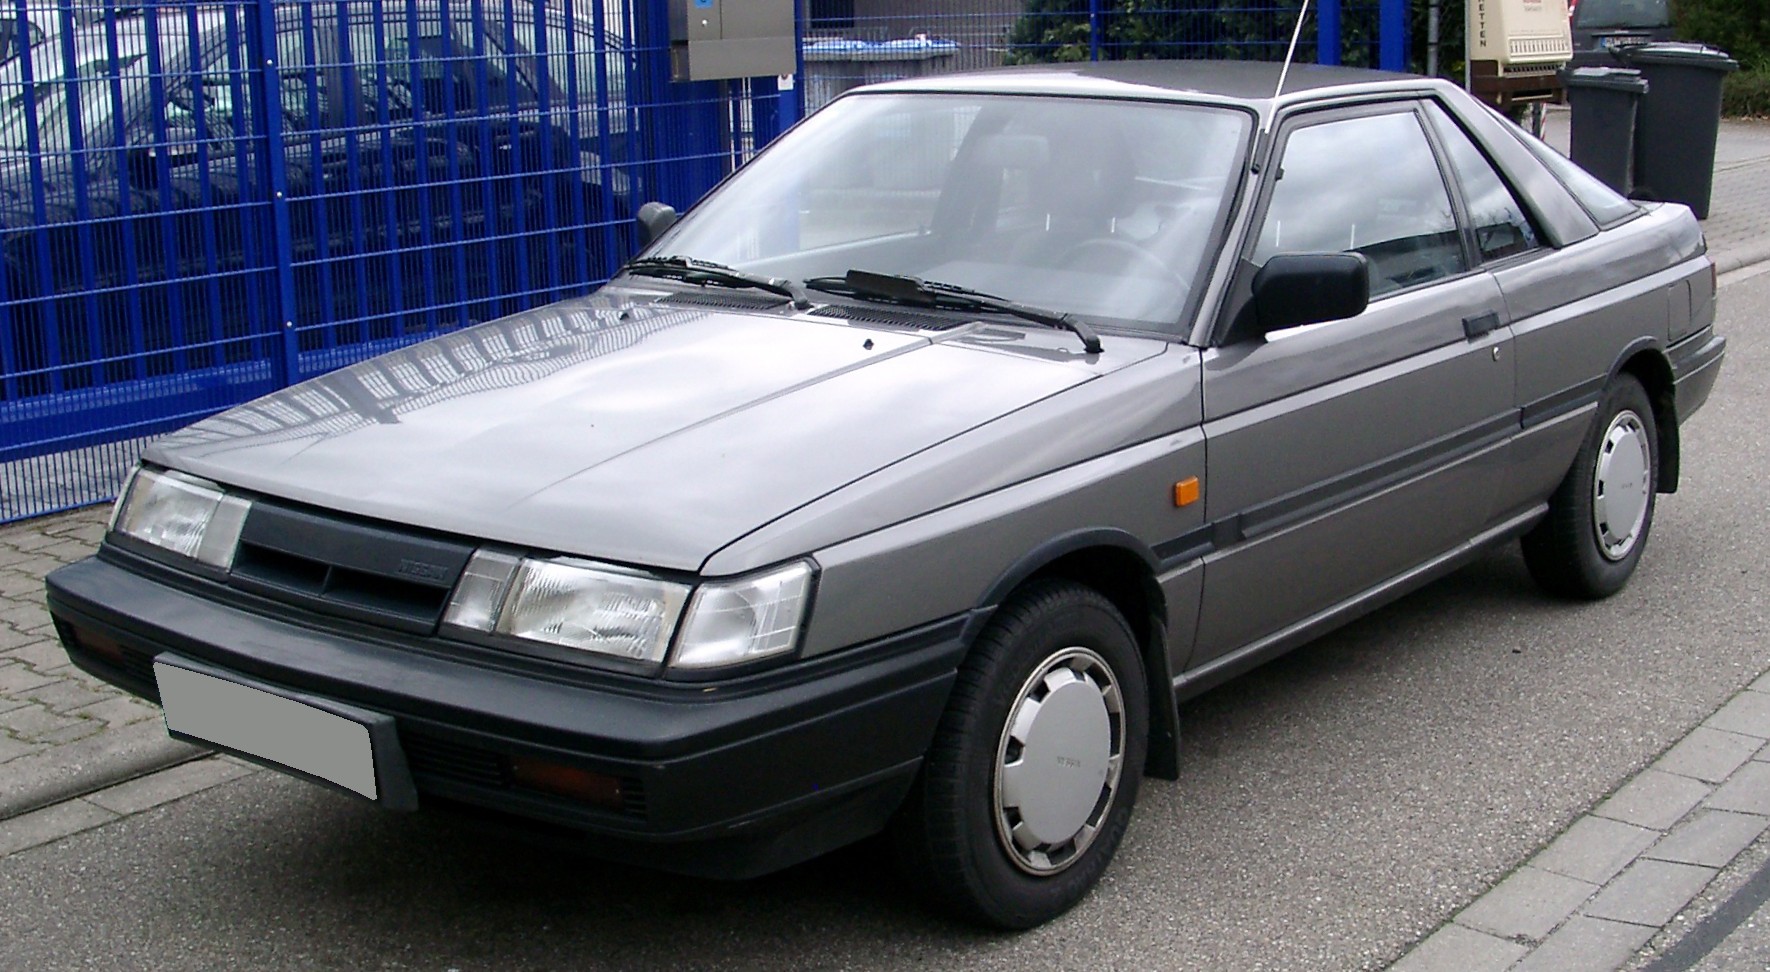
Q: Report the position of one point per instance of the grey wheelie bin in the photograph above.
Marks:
(1602, 141)
(1680, 118)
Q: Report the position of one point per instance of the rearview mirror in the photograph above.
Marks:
(654, 218)
(1294, 289)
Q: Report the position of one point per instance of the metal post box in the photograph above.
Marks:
(712, 39)
(1516, 49)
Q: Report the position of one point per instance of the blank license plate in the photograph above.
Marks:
(269, 726)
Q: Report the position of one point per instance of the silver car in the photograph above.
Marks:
(911, 480)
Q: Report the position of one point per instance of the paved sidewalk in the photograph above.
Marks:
(75, 753)
(1738, 227)
(1611, 882)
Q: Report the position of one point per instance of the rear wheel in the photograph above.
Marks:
(1600, 515)
(1026, 791)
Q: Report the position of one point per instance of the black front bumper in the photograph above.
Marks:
(726, 779)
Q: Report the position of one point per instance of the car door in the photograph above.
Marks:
(1348, 454)
(1505, 238)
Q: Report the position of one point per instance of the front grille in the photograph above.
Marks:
(368, 572)
(429, 756)
(139, 665)
(360, 588)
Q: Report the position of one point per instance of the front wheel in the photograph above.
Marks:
(1028, 786)
(1600, 515)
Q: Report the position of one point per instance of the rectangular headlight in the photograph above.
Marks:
(744, 620)
(589, 606)
(181, 514)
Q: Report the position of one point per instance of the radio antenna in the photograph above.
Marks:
(1290, 54)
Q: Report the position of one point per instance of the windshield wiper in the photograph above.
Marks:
(914, 291)
(705, 272)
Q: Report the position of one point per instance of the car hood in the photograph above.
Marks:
(642, 430)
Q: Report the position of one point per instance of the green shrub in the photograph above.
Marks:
(1060, 30)
(1739, 27)
(1746, 94)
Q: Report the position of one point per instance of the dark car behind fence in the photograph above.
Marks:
(201, 202)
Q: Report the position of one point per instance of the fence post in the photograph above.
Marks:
(267, 124)
(1327, 32)
(1392, 35)
(1094, 18)
(683, 123)
(792, 100)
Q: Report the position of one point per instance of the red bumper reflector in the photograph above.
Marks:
(96, 644)
(566, 781)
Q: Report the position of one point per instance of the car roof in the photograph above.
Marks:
(1247, 83)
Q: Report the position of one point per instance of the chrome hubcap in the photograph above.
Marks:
(1058, 761)
(1621, 487)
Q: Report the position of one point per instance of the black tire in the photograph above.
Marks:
(953, 837)
(1576, 552)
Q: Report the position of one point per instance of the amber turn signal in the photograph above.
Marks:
(1186, 491)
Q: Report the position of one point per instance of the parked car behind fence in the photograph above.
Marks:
(200, 207)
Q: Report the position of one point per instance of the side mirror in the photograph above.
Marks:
(1294, 289)
(654, 218)
(144, 160)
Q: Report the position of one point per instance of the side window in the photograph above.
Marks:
(222, 92)
(440, 72)
(16, 34)
(571, 55)
(1501, 227)
(1605, 204)
(298, 79)
(204, 107)
(1367, 185)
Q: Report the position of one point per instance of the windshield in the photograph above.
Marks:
(1099, 208)
(1593, 14)
(103, 75)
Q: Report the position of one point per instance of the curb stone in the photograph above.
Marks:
(1681, 833)
(62, 773)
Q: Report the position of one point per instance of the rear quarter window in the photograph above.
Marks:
(1606, 206)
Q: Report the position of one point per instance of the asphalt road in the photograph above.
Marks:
(1334, 806)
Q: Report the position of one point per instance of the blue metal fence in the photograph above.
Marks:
(205, 200)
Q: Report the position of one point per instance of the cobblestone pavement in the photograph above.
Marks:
(62, 732)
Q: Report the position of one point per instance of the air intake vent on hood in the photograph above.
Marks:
(727, 299)
(892, 318)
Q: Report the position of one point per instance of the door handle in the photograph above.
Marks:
(1474, 327)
